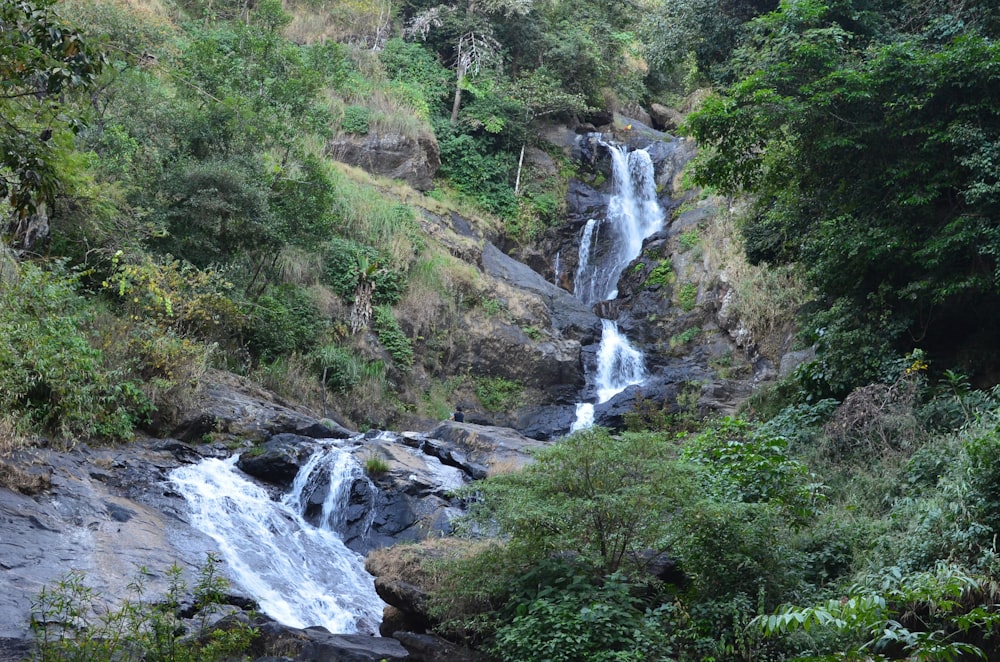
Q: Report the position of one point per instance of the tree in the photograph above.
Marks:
(475, 45)
(608, 500)
(42, 59)
(869, 149)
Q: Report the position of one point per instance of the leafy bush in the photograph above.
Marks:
(282, 321)
(356, 120)
(52, 376)
(687, 296)
(748, 465)
(391, 336)
(661, 275)
(561, 613)
(498, 394)
(342, 257)
(342, 368)
(606, 500)
(70, 624)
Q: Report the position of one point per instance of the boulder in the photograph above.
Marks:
(278, 459)
(493, 448)
(664, 118)
(315, 644)
(415, 160)
(432, 648)
(231, 405)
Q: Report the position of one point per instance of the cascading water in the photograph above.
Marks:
(634, 213)
(301, 575)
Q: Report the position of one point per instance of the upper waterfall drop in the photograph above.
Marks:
(633, 215)
(301, 575)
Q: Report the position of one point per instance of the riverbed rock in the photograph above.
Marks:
(316, 644)
(278, 459)
(108, 514)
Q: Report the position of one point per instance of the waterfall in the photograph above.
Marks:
(301, 575)
(633, 214)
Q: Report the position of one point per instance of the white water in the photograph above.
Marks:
(301, 575)
(634, 214)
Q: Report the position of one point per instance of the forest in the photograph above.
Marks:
(168, 207)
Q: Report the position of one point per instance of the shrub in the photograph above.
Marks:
(661, 275)
(282, 321)
(748, 465)
(687, 296)
(356, 120)
(391, 336)
(52, 376)
(498, 394)
(562, 613)
(606, 500)
(70, 626)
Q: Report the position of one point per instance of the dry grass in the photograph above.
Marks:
(421, 564)
(299, 266)
(14, 478)
(360, 22)
(292, 378)
(766, 298)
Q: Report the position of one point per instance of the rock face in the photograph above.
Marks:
(393, 155)
(108, 513)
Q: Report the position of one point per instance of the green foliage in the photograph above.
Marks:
(661, 275)
(340, 368)
(42, 62)
(54, 377)
(375, 465)
(689, 240)
(283, 320)
(356, 120)
(474, 169)
(392, 337)
(687, 296)
(341, 258)
(935, 615)
(605, 499)
(834, 108)
(560, 612)
(498, 394)
(70, 625)
(684, 337)
(751, 465)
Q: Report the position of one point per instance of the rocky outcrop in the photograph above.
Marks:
(108, 513)
(415, 160)
(568, 315)
(228, 405)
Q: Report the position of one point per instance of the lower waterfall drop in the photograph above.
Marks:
(301, 575)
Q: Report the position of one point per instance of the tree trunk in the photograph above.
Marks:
(520, 163)
(458, 99)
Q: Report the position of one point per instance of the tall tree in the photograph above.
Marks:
(42, 59)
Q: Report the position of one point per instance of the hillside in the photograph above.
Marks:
(374, 214)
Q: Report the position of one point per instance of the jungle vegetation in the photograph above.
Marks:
(175, 151)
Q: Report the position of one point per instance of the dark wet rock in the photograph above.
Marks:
(317, 645)
(409, 599)
(546, 423)
(278, 459)
(432, 648)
